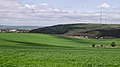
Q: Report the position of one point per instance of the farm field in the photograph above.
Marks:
(40, 50)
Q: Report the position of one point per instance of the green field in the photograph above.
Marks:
(39, 50)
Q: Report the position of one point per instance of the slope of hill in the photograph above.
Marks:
(90, 30)
(40, 50)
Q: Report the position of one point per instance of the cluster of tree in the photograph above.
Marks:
(113, 33)
(113, 44)
(58, 29)
(92, 30)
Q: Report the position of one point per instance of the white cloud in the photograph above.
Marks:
(45, 4)
(104, 5)
(14, 13)
(30, 6)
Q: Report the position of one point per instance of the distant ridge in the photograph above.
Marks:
(19, 27)
(90, 30)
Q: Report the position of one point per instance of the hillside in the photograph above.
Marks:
(33, 40)
(40, 50)
(90, 30)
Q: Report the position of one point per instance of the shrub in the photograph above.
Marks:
(113, 44)
(101, 45)
(93, 45)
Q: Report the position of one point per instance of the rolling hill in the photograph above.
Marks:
(90, 30)
(41, 50)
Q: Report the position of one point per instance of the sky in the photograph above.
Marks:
(52, 12)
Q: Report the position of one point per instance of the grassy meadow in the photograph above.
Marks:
(40, 50)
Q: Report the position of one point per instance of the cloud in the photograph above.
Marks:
(30, 6)
(45, 4)
(14, 13)
(104, 5)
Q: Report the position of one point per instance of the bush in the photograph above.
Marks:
(93, 45)
(113, 44)
(101, 45)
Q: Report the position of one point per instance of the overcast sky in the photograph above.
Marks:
(52, 12)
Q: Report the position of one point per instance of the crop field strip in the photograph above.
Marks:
(39, 50)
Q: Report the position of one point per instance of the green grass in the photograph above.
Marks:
(39, 50)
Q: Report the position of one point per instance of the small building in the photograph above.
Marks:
(12, 30)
